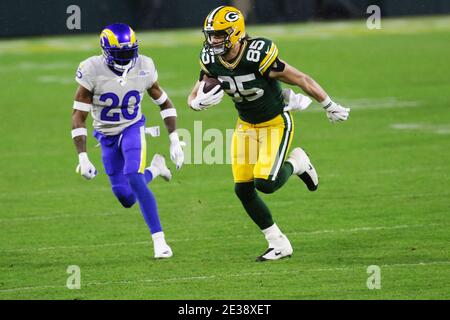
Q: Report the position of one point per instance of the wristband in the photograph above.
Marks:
(86, 107)
(161, 99)
(79, 132)
(171, 112)
(327, 102)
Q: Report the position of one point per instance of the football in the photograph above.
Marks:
(210, 83)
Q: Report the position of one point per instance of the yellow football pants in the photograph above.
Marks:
(259, 150)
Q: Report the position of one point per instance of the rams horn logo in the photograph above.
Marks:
(232, 16)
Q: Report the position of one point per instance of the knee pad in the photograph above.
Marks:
(245, 191)
(265, 186)
(124, 195)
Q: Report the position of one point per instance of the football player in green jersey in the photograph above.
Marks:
(250, 70)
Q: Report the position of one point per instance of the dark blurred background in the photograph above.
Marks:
(47, 17)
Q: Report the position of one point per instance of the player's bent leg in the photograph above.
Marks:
(134, 152)
(271, 185)
(303, 168)
(121, 189)
(146, 200)
(113, 163)
(253, 204)
(271, 172)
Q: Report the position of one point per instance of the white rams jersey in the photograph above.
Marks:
(116, 106)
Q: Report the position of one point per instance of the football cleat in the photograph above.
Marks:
(162, 249)
(303, 168)
(163, 252)
(158, 167)
(279, 248)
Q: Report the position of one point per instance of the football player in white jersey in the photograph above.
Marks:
(111, 87)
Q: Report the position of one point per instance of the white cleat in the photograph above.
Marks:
(279, 248)
(158, 168)
(162, 249)
(303, 168)
(163, 252)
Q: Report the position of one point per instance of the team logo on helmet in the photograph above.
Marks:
(232, 16)
(224, 21)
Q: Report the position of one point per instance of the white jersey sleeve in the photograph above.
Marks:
(149, 66)
(85, 75)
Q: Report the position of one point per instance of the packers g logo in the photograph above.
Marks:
(232, 16)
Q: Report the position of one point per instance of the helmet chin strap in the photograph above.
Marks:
(124, 69)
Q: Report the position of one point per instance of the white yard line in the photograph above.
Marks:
(216, 276)
(373, 104)
(62, 216)
(424, 127)
(56, 79)
(148, 242)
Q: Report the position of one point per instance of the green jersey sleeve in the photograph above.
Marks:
(263, 52)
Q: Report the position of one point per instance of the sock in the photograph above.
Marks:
(272, 230)
(293, 165)
(151, 173)
(148, 174)
(253, 204)
(274, 236)
(287, 168)
(147, 201)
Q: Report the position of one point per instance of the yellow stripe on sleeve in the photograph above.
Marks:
(269, 53)
(269, 62)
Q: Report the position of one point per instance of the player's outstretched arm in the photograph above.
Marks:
(81, 107)
(293, 76)
(169, 116)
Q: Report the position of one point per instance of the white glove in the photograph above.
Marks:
(176, 150)
(205, 100)
(294, 101)
(335, 112)
(85, 167)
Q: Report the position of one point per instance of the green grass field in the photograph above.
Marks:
(384, 197)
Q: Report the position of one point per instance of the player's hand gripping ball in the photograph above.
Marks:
(209, 94)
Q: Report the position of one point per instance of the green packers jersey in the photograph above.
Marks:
(256, 97)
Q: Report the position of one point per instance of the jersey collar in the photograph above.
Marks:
(233, 65)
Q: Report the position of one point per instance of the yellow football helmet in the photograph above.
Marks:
(227, 22)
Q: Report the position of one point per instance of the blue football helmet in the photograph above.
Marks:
(120, 46)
